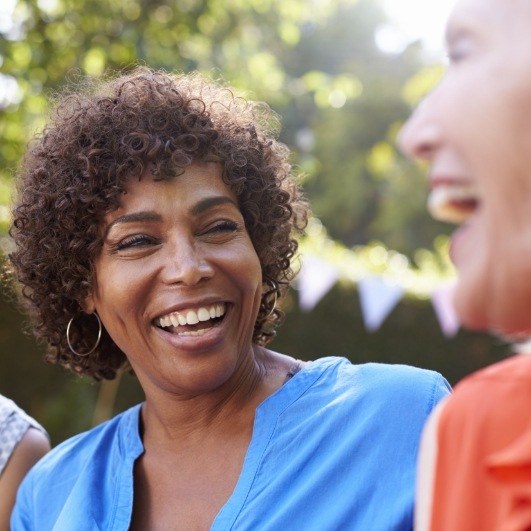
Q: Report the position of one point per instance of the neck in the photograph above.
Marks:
(230, 406)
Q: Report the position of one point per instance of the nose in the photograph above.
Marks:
(420, 136)
(186, 264)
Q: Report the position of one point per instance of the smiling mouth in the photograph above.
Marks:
(193, 321)
(453, 202)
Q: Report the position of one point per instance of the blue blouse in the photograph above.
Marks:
(333, 449)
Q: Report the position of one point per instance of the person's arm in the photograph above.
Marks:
(426, 471)
(28, 451)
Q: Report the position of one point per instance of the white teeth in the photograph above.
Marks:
(203, 314)
(453, 203)
(191, 317)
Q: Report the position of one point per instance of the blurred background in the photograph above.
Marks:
(343, 75)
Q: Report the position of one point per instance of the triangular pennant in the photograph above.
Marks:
(316, 278)
(443, 303)
(378, 297)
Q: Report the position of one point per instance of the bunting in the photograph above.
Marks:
(315, 280)
(378, 297)
(443, 304)
(382, 276)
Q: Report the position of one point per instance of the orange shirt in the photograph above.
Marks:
(481, 463)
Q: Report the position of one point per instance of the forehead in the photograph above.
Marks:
(197, 182)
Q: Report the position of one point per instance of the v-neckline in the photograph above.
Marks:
(264, 426)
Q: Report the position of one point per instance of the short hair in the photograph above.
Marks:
(76, 170)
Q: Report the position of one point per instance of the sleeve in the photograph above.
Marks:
(441, 390)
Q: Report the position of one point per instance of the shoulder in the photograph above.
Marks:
(68, 459)
(381, 378)
(500, 390)
(33, 445)
(15, 430)
(384, 385)
(514, 371)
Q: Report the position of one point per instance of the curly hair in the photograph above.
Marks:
(76, 171)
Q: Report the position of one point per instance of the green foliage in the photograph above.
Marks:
(341, 100)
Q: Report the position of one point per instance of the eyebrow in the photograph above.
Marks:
(211, 202)
(197, 209)
(135, 217)
(459, 25)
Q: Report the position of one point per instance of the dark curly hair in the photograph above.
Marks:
(75, 172)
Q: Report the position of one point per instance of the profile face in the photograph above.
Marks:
(178, 282)
(474, 129)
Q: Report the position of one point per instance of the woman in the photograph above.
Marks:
(22, 443)
(475, 132)
(154, 230)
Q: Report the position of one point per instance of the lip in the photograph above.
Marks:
(440, 179)
(196, 344)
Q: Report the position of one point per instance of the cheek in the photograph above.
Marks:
(120, 292)
(247, 274)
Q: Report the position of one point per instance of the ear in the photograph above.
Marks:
(88, 304)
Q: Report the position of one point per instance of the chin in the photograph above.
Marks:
(504, 321)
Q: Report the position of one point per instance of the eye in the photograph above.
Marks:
(460, 48)
(223, 226)
(134, 242)
(455, 55)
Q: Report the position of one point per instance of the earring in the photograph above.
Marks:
(97, 340)
(266, 303)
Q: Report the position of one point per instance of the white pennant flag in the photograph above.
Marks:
(316, 278)
(378, 297)
(443, 304)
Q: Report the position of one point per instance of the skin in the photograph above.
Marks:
(476, 126)
(172, 245)
(28, 451)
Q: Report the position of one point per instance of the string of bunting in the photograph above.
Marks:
(383, 277)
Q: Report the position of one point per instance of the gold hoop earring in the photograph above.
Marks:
(97, 340)
(274, 290)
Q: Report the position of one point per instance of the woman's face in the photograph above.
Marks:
(178, 282)
(474, 129)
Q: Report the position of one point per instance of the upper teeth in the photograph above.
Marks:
(453, 202)
(191, 317)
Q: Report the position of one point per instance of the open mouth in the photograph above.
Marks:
(192, 321)
(453, 202)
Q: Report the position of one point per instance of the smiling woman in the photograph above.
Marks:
(154, 231)
(474, 131)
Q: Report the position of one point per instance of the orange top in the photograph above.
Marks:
(482, 463)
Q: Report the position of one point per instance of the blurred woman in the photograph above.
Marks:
(22, 443)
(475, 131)
(154, 230)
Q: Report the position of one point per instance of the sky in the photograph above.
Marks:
(415, 19)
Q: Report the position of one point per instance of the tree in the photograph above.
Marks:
(341, 100)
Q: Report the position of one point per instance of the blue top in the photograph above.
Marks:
(333, 449)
